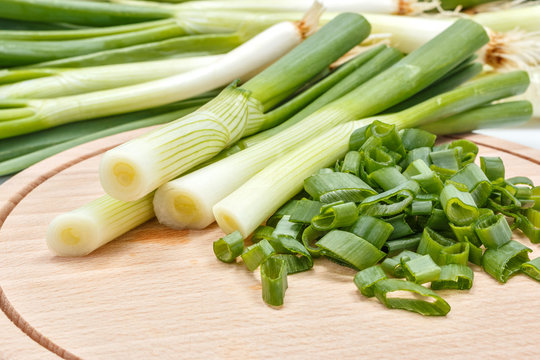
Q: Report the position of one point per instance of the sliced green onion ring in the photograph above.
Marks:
(365, 280)
(459, 206)
(420, 270)
(274, 281)
(532, 268)
(351, 249)
(505, 261)
(454, 276)
(229, 247)
(424, 301)
(256, 254)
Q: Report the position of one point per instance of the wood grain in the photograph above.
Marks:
(160, 293)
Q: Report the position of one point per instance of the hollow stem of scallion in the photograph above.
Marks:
(77, 81)
(139, 166)
(280, 180)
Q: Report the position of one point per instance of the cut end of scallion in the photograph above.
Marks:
(180, 209)
(73, 234)
(228, 221)
(124, 175)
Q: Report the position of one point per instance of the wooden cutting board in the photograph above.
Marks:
(160, 293)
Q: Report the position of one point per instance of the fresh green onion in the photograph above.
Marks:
(432, 244)
(351, 249)
(420, 270)
(505, 261)
(388, 177)
(76, 81)
(365, 279)
(256, 254)
(510, 113)
(229, 247)
(335, 216)
(458, 206)
(392, 247)
(274, 281)
(81, 231)
(310, 236)
(183, 46)
(262, 233)
(476, 182)
(454, 276)
(390, 202)
(295, 264)
(305, 210)
(332, 187)
(31, 152)
(394, 265)
(532, 268)
(229, 118)
(455, 254)
(493, 231)
(418, 299)
(493, 167)
(79, 12)
(374, 230)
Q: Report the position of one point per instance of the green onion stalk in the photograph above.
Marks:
(19, 116)
(64, 82)
(283, 178)
(418, 70)
(132, 170)
(182, 46)
(22, 151)
(187, 201)
(19, 48)
(335, 39)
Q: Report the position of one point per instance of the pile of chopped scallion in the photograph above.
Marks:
(405, 213)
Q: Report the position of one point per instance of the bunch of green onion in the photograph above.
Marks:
(426, 210)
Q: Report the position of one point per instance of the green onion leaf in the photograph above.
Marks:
(305, 210)
(374, 230)
(458, 206)
(390, 202)
(455, 254)
(295, 264)
(351, 249)
(421, 207)
(393, 266)
(256, 254)
(493, 167)
(505, 261)
(393, 247)
(531, 268)
(309, 238)
(286, 209)
(262, 233)
(388, 178)
(446, 159)
(433, 305)
(274, 281)
(332, 187)
(428, 180)
(351, 163)
(401, 226)
(332, 217)
(454, 276)
(416, 138)
(366, 279)
(476, 182)
(432, 244)
(229, 247)
(493, 231)
(420, 270)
